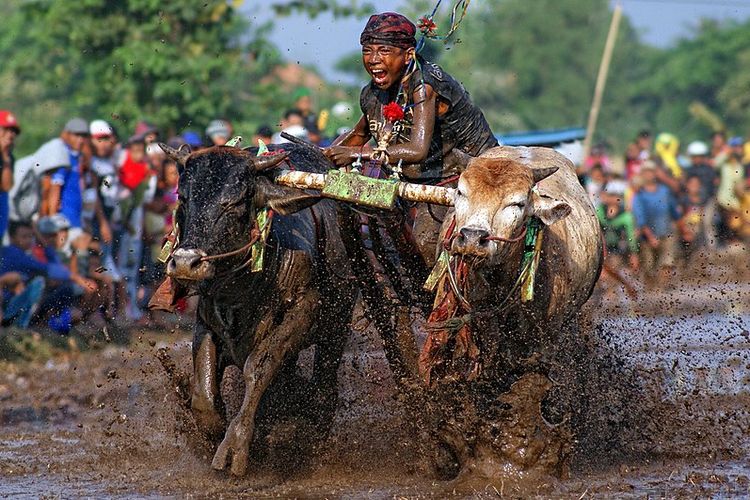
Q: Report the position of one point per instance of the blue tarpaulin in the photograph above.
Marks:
(547, 137)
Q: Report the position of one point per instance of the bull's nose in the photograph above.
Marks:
(188, 264)
(473, 236)
(472, 241)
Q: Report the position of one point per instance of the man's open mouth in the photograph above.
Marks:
(379, 75)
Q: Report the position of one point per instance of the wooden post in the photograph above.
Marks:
(601, 80)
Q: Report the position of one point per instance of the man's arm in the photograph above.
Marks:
(415, 151)
(6, 178)
(347, 147)
(50, 194)
(104, 230)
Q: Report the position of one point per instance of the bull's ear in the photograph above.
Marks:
(180, 155)
(260, 163)
(549, 210)
(542, 173)
(283, 200)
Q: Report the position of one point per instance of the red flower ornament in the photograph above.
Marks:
(393, 112)
(427, 25)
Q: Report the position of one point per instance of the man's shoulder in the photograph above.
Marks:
(52, 154)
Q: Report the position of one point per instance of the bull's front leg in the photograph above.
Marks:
(266, 359)
(205, 381)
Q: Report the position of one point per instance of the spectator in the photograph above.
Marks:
(598, 156)
(656, 212)
(192, 139)
(731, 184)
(65, 195)
(147, 132)
(292, 123)
(59, 293)
(9, 129)
(618, 226)
(103, 164)
(219, 132)
(264, 133)
(17, 301)
(595, 182)
(637, 152)
(695, 219)
(719, 145)
(312, 122)
(667, 147)
(138, 185)
(700, 168)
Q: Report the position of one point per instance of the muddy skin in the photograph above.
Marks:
(266, 359)
(205, 386)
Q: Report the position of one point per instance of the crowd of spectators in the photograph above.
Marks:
(83, 218)
(667, 204)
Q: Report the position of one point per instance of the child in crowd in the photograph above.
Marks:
(693, 204)
(618, 226)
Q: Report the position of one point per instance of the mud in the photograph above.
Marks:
(664, 401)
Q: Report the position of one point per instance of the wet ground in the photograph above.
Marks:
(105, 422)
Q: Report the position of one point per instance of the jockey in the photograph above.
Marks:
(436, 124)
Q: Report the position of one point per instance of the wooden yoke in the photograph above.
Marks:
(363, 190)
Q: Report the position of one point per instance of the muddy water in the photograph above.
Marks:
(107, 422)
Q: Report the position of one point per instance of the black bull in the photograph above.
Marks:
(259, 320)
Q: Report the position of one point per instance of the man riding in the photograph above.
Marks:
(438, 124)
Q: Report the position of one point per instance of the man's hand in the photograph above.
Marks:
(342, 156)
(13, 281)
(88, 285)
(105, 232)
(6, 144)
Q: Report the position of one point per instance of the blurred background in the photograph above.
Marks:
(678, 65)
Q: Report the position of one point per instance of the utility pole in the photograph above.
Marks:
(601, 79)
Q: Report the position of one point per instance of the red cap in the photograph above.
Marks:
(8, 120)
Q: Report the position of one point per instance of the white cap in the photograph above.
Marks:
(697, 148)
(616, 187)
(100, 128)
(297, 131)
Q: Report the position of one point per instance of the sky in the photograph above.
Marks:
(322, 41)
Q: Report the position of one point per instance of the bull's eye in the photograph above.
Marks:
(460, 193)
(519, 204)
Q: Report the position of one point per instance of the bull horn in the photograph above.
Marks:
(542, 173)
(178, 155)
(267, 162)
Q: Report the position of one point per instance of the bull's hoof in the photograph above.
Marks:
(233, 451)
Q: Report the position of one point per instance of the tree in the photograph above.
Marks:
(533, 64)
(709, 70)
(173, 63)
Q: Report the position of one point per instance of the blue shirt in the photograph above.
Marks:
(656, 210)
(13, 259)
(71, 198)
(4, 207)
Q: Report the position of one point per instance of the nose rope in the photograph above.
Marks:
(254, 236)
(508, 240)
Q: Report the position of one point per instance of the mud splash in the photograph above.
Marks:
(663, 400)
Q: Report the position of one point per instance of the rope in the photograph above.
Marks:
(509, 240)
(254, 236)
